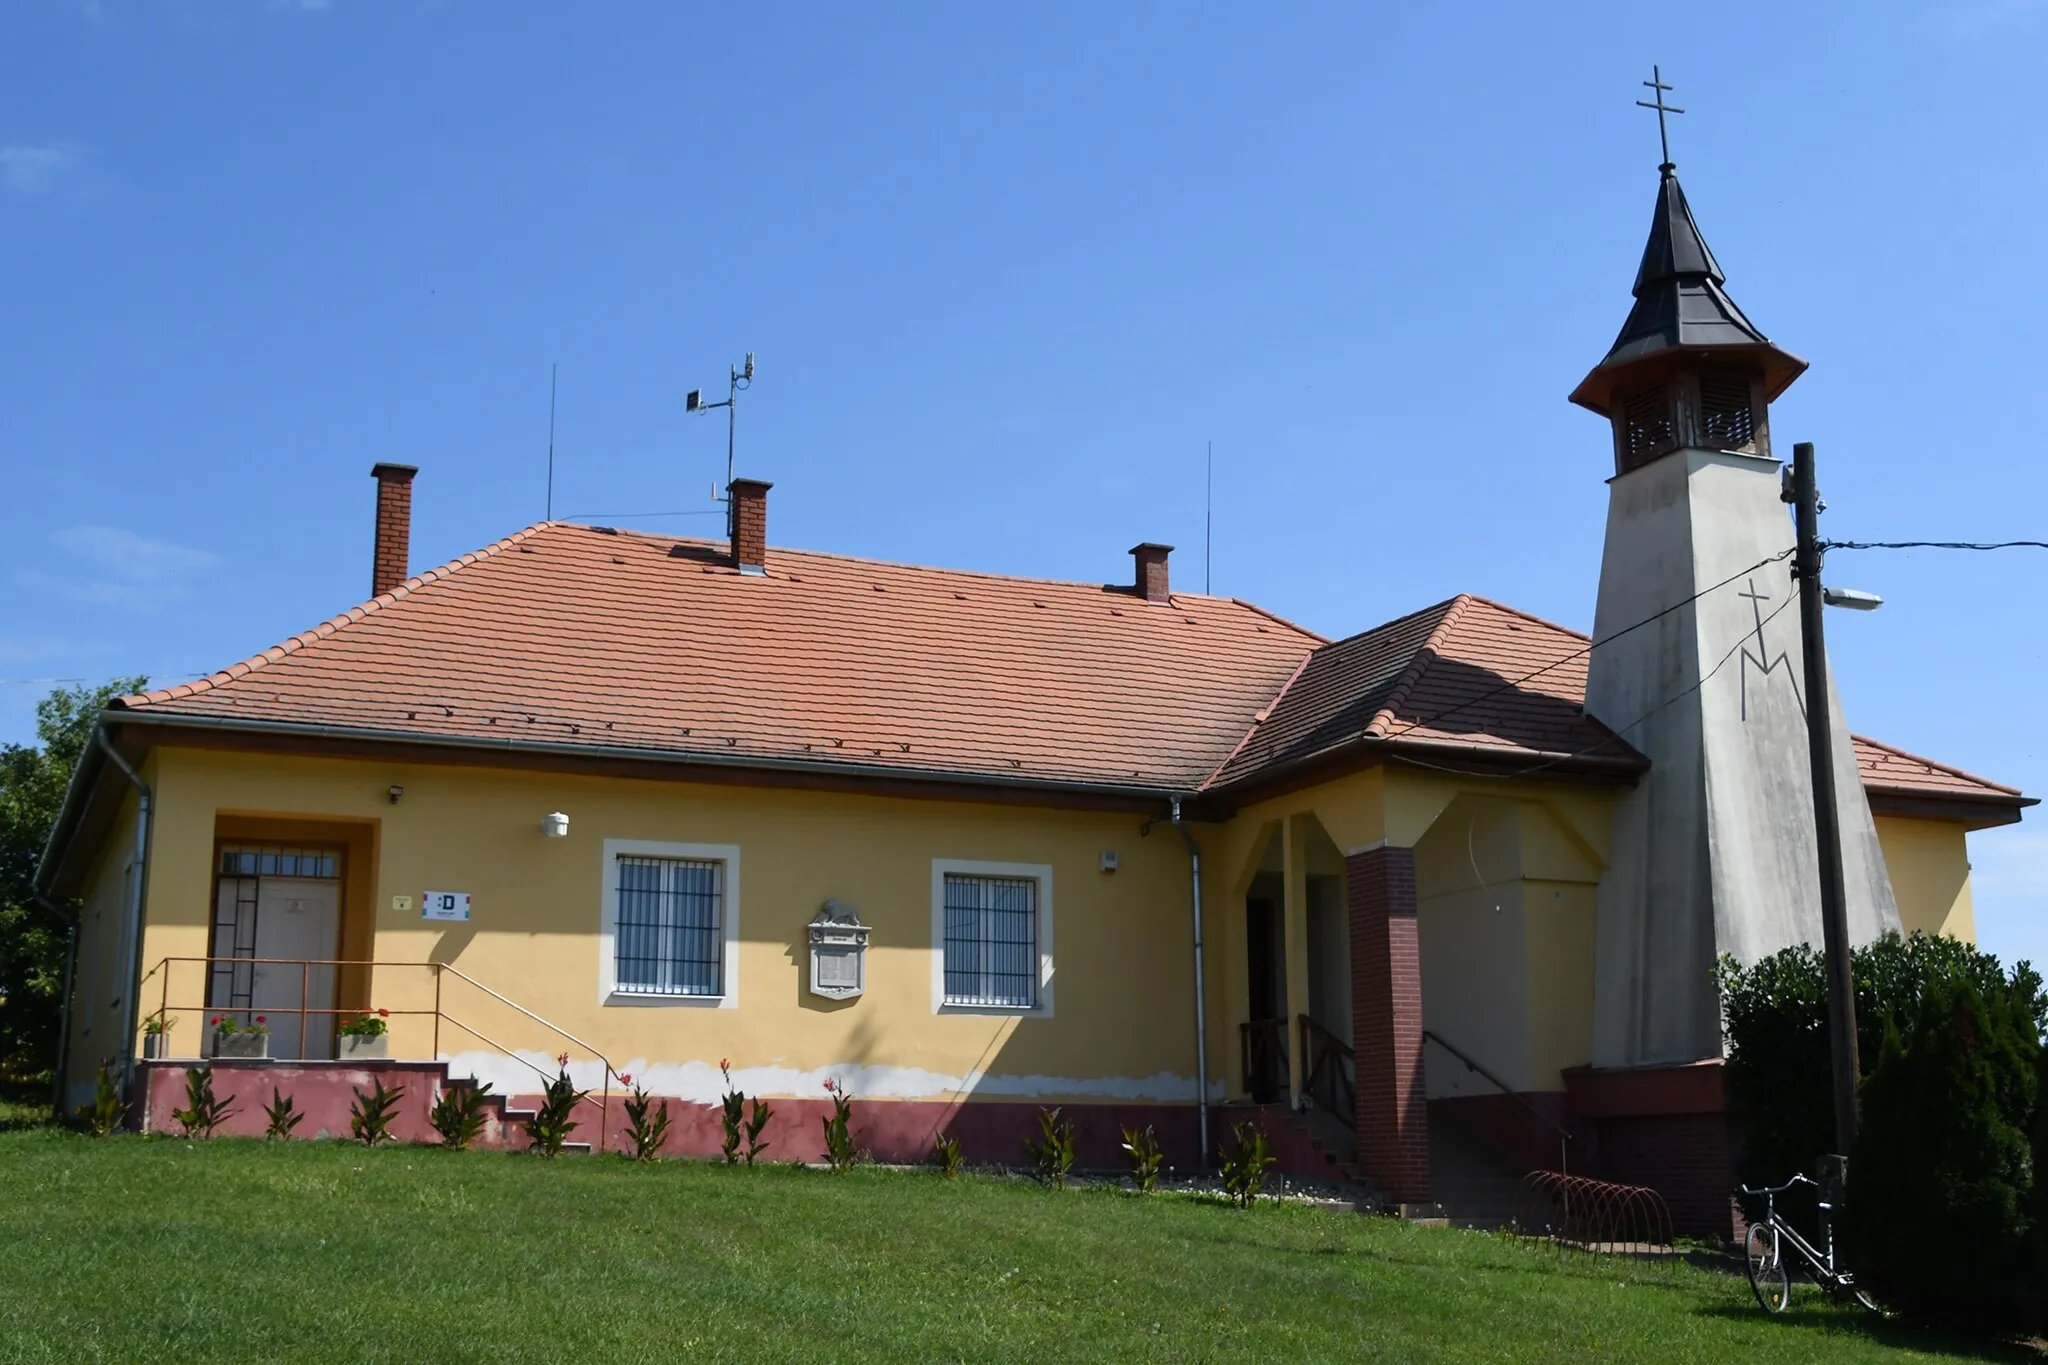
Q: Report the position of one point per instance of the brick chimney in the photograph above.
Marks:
(749, 513)
(392, 557)
(1151, 578)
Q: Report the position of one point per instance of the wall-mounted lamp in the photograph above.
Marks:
(555, 825)
(394, 791)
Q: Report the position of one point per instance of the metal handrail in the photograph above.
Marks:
(437, 1012)
(1314, 1032)
(1564, 1134)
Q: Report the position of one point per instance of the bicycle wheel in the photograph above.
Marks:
(1767, 1274)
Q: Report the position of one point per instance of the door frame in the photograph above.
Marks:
(357, 843)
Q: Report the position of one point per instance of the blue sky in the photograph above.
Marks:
(1007, 269)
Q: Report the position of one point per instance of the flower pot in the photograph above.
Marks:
(241, 1044)
(155, 1046)
(355, 1047)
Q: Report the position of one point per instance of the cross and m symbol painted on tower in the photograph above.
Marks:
(1764, 662)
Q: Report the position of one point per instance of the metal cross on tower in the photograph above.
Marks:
(1659, 89)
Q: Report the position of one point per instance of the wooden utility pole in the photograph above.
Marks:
(1834, 907)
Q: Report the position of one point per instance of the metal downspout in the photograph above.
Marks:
(138, 898)
(1201, 1002)
(64, 1011)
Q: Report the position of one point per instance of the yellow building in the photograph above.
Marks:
(703, 814)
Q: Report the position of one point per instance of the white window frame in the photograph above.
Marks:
(1038, 872)
(608, 992)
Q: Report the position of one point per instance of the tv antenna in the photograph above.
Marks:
(741, 377)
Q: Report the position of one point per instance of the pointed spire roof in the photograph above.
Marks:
(1681, 307)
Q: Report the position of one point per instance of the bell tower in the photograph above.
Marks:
(1697, 663)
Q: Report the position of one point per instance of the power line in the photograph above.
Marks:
(1622, 730)
(1934, 545)
(1589, 647)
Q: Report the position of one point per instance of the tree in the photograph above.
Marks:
(1936, 1223)
(32, 941)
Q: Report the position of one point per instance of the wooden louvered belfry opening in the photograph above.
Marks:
(1704, 407)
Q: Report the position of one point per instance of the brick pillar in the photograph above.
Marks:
(391, 556)
(1386, 1021)
(749, 524)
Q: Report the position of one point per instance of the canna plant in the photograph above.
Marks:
(745, 1120)
(1142, 1147)
(369, 1116)
(946, 1155)
(841, 1151)
(646, 1122)
(1244, 1164)
(103, 1115)
(1053, 1152)
(282, 1116)
(202, 1112)
(458, 1114)
(551, 1124)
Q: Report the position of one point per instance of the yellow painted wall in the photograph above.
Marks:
(97, 1011)
(1122, 990)
(1930, 871)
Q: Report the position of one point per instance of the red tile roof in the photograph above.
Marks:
(1467, 674)
(587, 636)
(590, 638)
(1896, 772)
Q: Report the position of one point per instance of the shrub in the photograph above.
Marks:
(1776, 1017)
(281, 1115)
(1052, 1154)
(946, 1155)
(551, 1124)
(841, 1152)
(369, 1116)
(1143, 1150)
(646, 1123)
(202, 1112)
(159, 1025)
(458, 1114)
(1935, 1223)
(103, 1115)
(1244, 1164)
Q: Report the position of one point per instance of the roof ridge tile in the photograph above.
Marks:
(1425, 654)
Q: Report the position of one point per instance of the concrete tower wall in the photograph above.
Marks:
(1715, 849)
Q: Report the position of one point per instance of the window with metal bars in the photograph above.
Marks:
(991, 942)
(1727, 420)
(1647, 431)
(669, 938)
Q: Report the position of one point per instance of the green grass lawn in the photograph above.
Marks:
(146, 1249)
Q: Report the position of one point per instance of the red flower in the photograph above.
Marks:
(259, 1018)
(624, 1079)
(831, 1085)
(383, 1014)
(723, 1064)
(563, 1061)
(215, 1019)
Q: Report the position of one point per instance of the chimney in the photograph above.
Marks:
(393, 554)
(748, 508)
(1151, 579)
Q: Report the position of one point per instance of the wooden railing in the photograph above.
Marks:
(1263, 1045)
(437, 1012)
(1329, 1072)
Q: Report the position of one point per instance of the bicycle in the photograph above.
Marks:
(1769, 1241)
